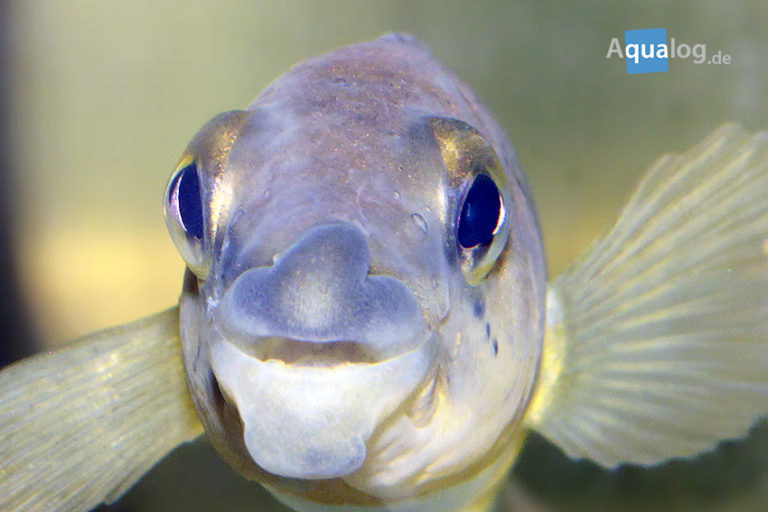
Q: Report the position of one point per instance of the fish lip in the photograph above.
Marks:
(331, 363)
(295, 352)
(313, 354)
(283, 427)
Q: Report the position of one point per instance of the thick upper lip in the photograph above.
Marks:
(321, 292)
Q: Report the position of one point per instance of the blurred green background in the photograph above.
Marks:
(105, 95)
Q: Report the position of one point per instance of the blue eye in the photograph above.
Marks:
(185, 191)
(480, 214)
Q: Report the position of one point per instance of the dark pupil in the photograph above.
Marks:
(190, 204)
(480, 213)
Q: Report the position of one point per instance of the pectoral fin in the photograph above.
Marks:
(80, 425)
(657, 338)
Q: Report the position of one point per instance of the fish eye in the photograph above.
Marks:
(483, 197)
(184, 215)
(184, 197)
(482, 213)
(482, 227)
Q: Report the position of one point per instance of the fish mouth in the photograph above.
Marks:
(316, 352)
(310, 354)
(308, 409)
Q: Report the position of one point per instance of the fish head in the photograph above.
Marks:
(364, 298)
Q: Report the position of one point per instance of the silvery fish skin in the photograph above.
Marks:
(336, 334)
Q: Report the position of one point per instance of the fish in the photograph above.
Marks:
(367, 323)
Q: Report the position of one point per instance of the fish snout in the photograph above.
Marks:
(315, 352)
(318, 304)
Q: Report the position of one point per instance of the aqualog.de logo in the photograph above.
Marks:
(647, 51)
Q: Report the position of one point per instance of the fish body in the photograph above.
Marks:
(366, 322)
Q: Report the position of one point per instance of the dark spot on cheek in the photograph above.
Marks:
(495, 347)
(479, 308)
(488, 330)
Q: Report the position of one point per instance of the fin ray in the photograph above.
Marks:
(657, 338)
(82, 424)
